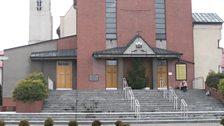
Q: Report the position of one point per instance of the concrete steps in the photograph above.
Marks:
(153, 101)
(111, 106)
(86, 101)
(198, 101)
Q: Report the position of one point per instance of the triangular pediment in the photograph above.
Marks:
(138, 46)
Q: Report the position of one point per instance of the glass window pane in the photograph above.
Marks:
(181, 71)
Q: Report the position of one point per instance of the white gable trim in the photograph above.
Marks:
(139, 46)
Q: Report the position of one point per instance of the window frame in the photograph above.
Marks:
(39, 5)
(177, 73)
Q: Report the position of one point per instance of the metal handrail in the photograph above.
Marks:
(183, 109)
(135, 106)
(137, 109)
(172, 96)
(125, 84)
(198, 83)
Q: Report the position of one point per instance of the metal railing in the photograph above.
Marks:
(183, 109)
(135, 106)
(172, 96)
(137, 109)
(162, 85)
(198, 83)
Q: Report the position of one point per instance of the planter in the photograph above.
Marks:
(10, 108)
(2, 108)
(29, 107)
(214, 93)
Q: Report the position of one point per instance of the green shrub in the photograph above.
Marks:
(2, 123)
(73, 123)
(24, 123)
(222, 122)
(213, 78)
(221, 87)
(49, 122)
(32, 88)
(136, 77)
(118, 122)
(96, 123)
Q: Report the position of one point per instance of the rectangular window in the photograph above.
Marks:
(160, 19)
(111, 19)
(39, 5)
(181, 71)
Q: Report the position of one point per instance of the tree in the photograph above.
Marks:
(136, 77)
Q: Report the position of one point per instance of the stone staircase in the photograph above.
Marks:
(86, 101)
(153, 101)
(198, 101)
(109, 106)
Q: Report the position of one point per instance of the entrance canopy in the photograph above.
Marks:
(137, 47)
(54, 55)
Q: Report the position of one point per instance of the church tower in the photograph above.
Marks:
(40, 22)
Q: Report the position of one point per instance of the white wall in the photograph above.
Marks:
(207, 54)
(68, 23)
(40, 24)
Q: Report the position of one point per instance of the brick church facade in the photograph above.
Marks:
(108, 25)
(111, 34)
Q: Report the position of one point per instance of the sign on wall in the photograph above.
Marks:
(93, 77)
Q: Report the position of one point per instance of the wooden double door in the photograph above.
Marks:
(64, 74)
(162, 74)
(111, 74)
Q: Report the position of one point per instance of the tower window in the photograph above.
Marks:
(39, 5)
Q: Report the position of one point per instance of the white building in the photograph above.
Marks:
(2, 57)
(207, 53)
(68, 23)
(40, 27)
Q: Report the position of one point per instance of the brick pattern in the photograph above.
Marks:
(8, 102)
(138, 16)
(180, 36)
(134, 16)
(90, 38)
(67, 43)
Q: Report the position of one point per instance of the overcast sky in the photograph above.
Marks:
(15, 18)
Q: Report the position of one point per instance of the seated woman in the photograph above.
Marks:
(183, 86)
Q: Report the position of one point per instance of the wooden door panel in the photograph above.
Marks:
(161, 76)
(64, 74)
(68, 81)
(111, 76)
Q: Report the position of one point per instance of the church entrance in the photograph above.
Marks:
(64, 75)
(162, 74)
(111, 74)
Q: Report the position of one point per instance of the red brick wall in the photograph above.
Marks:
(180, 34)
(172, 78)
(90, 38)
(8, 102)
(133, 16)
(67, 43)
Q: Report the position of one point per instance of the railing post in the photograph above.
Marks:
(129, 95)
(165, 93)
(184, 113)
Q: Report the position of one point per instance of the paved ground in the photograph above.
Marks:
(170, 124)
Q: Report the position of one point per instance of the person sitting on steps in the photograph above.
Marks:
(183, 86)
